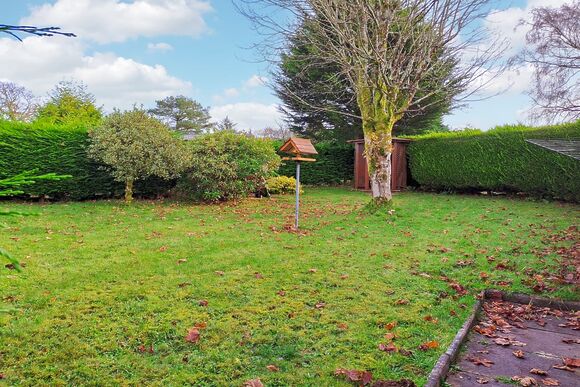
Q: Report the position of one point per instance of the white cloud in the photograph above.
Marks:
(255, 81)
(249, 115)
(159, 47)
(40, 63)
(106, 21)
(512, 81)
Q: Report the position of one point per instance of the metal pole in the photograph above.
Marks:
(297, 193)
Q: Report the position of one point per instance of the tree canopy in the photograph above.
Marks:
(70, 103)
(319, 102)
(17, 103)
(183, 114)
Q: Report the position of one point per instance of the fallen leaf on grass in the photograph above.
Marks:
(519, 354)
(180, 261)
(431, 319)
(201, 325)
(480, 361)
(202, 303)
(281, 293)
(320, 305)
(388, 347)
(344, 276)
(572, 362)
(192, 336)
(254, 383)
(163, 248)
(389, 336)
(550, 382)
(144, 349)
(312, 270)
(537, 371)
(402, 302)
(342, 326)
(458, 288)
(272, 368)
(390, 326)
(482, 380)
(258, 275)
(404, 352)
(220, 273)
(2, 376)
(429, 345)
(364, 377)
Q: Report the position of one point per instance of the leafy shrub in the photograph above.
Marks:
(62, 150)
(334, 165)
(226, 165)
(135, 146)
(282, 185)
(498, 160)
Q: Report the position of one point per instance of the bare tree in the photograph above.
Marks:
(390, 51)
(14, 31)
(16, 102)
(554, 52)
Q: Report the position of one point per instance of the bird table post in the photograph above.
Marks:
(298, 148)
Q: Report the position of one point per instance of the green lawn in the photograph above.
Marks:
(104, 298)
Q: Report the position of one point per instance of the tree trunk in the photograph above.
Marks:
(378, 118)
(378, 149)
(129, 191)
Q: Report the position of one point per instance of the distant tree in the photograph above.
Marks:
(276, 133)
(226, 124)
(16, 102)
(183, 114)
(70, 103)
(319, 102)
(136, 145)
(553, 49)
(14, 31)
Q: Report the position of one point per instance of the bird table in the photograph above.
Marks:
(299, 148)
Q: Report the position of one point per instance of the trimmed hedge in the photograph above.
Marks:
(334, 165)
(61, 150)
(497, 160)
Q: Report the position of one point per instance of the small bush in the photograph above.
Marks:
(498, 160)
(226, 165)
(282, 185)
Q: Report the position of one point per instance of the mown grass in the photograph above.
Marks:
(102, 285)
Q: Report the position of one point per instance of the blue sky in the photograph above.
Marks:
(140, 50)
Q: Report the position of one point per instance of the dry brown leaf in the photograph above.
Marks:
(571, 362)
(220, 273)
(272, 368)
(192, 336)
(390, 347)
(482, 380)
(320, 305)
(525, 381)
(254, 383)
(390, 326)
(364, 377)
(563, 367)
(429, 345)
(389, 336)
(202, 303)
(342, 326)
(550, 382)
(537, 371)
(402, 301)
(480, 361)
(502, 341)
(312, 270)
(519, 354)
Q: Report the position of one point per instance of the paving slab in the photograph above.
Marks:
(544, 348)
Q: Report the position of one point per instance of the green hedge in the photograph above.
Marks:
(334, 165)
(498, 160)
(61, 150)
